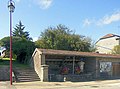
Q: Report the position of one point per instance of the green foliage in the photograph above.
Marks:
(22, 47)
(63, 38)
(23, 50)
(116, 49)
(60, 37)
(6, 41)
(1, 58)
(14, 63)
(19, 32)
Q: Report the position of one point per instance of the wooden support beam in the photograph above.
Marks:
(73, 64)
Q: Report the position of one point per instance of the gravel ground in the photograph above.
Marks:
(107, 84)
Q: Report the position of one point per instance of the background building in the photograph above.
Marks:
(2, 51)
(107, 43)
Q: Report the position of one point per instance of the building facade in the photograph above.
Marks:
(107, 43)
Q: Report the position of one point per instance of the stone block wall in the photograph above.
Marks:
(91, 66)
(4, 73)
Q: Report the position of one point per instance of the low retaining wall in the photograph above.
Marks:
(73, 78)
(4, 73)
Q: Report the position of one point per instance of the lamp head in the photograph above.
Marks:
(11, 6)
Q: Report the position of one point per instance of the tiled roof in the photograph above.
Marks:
(109, 35)
(76, 53)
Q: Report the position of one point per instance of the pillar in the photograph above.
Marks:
(44, 73)
(97, 68)
(42, 59)
(73, 65)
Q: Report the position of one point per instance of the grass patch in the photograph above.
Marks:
(7, 59)
(20, 65)
(6, 62)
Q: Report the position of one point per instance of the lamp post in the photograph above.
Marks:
(11, 7)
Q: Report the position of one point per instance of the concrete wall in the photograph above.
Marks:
(115, 72)
(92, 66)
(35, 63)
(38, 63)
(108, 59)
(105, 45)
(54, 68)
(4, 73)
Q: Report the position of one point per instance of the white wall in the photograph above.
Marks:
(106, 45)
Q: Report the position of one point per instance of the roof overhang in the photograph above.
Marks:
(75, 53)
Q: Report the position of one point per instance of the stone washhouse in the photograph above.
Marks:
(61, 65)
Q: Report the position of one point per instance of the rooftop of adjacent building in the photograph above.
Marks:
(109, 35)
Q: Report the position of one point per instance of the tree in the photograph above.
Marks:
(116, 49)
(19, 31)
(23, 50)
(61, 37)
(5, 42)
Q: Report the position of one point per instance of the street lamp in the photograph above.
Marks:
(11, 7)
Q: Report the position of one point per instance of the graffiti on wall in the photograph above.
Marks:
(105, 66)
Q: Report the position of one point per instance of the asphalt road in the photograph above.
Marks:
(108, 84)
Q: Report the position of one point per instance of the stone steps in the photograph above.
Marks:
(25, 75)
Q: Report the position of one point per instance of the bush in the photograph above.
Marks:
(23, 50)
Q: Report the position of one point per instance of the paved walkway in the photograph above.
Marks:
(108, 84)
(6, 85)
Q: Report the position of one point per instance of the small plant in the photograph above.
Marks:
(1, 58)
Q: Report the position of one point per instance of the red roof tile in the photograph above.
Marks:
(109, 35)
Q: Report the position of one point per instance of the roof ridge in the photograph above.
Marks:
(109, 35)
